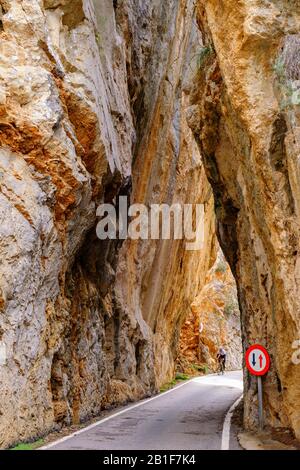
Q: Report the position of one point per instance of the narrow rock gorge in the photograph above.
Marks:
(213, 321)
(174, 101)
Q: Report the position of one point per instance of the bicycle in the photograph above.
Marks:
(221, 366)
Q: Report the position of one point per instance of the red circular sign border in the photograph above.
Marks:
(268, 361)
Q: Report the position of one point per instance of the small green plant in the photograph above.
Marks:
(204, 53)
(203, 368)
(29, 446)
(167, 386)
(180, 376)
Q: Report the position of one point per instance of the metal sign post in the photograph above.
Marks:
(260, 403)
(258, 363)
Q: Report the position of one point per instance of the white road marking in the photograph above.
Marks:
(227, 424)
(210, 379)
(97, 423)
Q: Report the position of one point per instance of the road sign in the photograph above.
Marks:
(258, 363)
(257, 360)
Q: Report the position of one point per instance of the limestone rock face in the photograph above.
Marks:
(93, 98)
(214, 321)
(245, 115)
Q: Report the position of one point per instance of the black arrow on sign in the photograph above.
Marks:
(253, 359)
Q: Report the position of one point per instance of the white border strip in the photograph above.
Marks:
(227, 423)
(101, 421)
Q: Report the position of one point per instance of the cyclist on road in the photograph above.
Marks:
(221, 356)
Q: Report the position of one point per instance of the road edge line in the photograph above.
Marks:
(227, 424)
(97, 423)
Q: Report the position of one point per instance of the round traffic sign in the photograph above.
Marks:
(257, 360)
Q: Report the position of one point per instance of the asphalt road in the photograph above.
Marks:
(191, 416)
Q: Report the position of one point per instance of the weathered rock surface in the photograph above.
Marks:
(245, 116)
(92, 106)
(214, 321)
